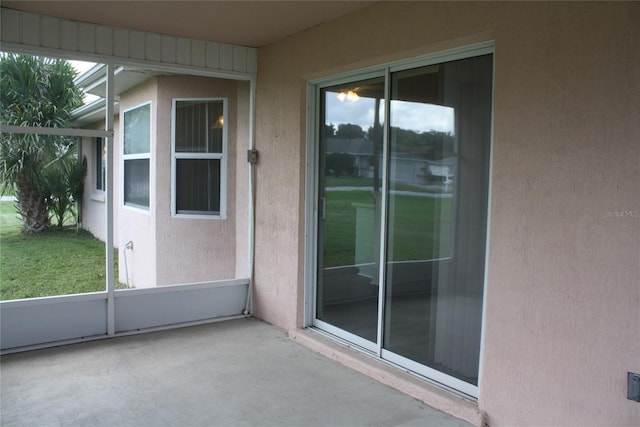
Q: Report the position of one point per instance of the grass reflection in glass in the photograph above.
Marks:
(420, 226)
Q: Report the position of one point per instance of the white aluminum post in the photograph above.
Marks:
(248, 308)
(109, 202)
(382, 225)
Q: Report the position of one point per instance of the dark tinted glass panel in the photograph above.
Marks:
(198, 186)
(136, 182)
(100, 164)
(350, 201)
(199, 126)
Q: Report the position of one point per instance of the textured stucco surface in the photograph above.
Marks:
(94, 201)
(169, 249)
(134, 224)
(563, 287)
(194, 249)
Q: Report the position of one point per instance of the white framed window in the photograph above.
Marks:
(136, 156)
(199, 157)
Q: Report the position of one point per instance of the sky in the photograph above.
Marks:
(81, 66)
(420, 117)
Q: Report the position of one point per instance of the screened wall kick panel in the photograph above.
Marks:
(22, 29)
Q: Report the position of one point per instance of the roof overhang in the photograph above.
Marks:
(241, 23)
(93, 82)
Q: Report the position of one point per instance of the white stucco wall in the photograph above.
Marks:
(137, 225)
(563, 289)
(195, 249)
(169, 249)
(94, 201)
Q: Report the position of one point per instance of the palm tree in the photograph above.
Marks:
(38, 92)
(63, 184)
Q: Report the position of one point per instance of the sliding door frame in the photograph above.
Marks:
(312, 210)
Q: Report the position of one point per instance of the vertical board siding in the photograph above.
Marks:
(22, 29)
(68, 36)
(31, 36)
(10, 27)
(252, 59)
(136, 45)
(183, 52)
(86, 37)
(153, 47)
(120, 43)
(50, 32)
(104, 41)
(213, 55)
(168, 49)
(239, 59)
(198, 53)
(226, 57)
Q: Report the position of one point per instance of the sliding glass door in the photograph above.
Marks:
(436, 233)
(403, 177)
(350, 189)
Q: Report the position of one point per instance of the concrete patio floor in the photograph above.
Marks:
(235, 373)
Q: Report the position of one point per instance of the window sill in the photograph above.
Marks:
(137, 208)
(198, 216)
(98, 197)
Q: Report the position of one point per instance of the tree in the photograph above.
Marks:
(35, 92)
(349, 131)
(63, 184)
(340, 164)
(329, 130)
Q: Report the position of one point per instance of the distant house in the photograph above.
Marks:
(412, 169)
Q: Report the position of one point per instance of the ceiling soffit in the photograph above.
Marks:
(242, 23)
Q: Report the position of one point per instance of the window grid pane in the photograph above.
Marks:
(198, 186)
(198, 156)
(136, 182)
(137, 132)
(199, 127)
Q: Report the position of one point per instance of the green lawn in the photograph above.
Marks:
(62, 262)
(58, 262)
(419, 226)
